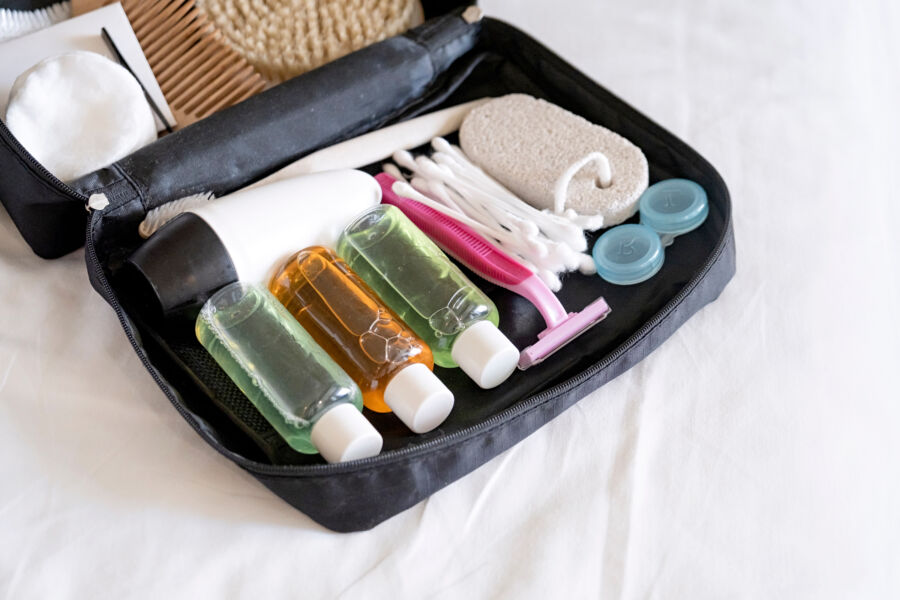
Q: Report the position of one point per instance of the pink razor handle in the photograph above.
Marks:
(468, 247)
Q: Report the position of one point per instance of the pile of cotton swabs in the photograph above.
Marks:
(546, 243)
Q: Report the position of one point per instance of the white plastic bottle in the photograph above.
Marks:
(244, 237)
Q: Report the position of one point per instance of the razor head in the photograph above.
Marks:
(552, 339)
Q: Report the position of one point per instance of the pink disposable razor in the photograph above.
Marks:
(468, 247)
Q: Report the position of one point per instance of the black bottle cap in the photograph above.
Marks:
(177, 269)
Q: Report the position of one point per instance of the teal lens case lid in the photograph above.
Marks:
(673, 206)
(628, 254)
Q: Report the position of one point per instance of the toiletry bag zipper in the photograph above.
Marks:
(40, 170)
(470, 445)
(323, 469)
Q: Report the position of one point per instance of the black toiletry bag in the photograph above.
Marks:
(444, 62)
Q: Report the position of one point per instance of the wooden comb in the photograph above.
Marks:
(197, 71)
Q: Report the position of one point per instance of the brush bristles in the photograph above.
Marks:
(14, 23)
(286, 38)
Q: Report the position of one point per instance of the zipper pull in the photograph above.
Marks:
(96, 202)
(472, 14)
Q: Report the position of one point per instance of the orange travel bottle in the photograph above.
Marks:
(391, 365)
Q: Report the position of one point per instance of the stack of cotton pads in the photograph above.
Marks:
(77, 112)
(556, 160)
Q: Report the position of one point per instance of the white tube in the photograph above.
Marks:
(377, 145)
(262, 226)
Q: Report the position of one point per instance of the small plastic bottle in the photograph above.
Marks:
(391, 365)
(297, 387)
(413, 277)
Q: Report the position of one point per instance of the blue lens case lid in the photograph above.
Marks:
(674, 206)
(628, 254)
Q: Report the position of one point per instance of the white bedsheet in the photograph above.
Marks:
(754, 455)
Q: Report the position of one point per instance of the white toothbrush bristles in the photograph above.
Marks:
(161, 215)
(14, 23)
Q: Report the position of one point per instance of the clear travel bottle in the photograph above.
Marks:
(298, 388)
(417, 280)
(391, 364)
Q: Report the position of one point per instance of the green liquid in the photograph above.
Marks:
(274, 361)
(414, 278)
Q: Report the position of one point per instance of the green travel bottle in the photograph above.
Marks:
(418, 282)
(309, 400)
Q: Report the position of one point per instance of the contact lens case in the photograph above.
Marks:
(673, 207)
(630, 254)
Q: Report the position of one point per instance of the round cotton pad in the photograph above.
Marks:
(77, 112)
(529, 145)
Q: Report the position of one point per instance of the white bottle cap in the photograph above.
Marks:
(418, 398)
(485, 354)
(343, 434)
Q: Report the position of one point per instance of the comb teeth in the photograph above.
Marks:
(196, 71)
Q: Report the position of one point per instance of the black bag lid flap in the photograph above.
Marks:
(50, 214)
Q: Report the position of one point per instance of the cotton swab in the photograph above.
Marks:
(448, 182)
(493, 264)
(503, 239)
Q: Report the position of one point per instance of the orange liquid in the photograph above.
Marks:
(346, 318)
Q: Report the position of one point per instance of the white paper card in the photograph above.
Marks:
(80, 33)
